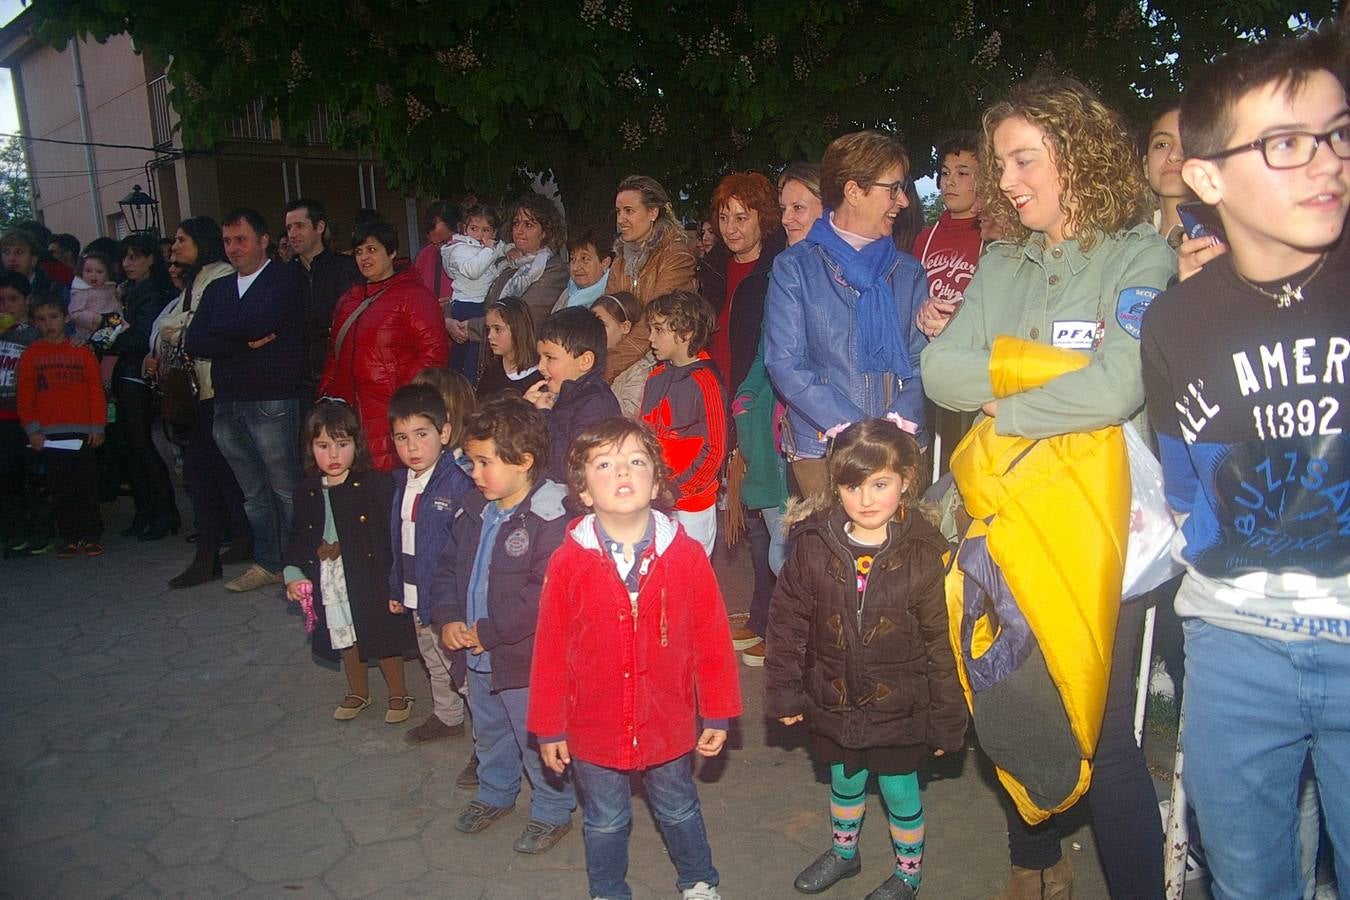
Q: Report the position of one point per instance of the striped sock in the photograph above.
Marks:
(904, 811)
(848, 802)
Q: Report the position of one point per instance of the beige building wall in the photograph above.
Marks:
(254, 170)
(119, 113)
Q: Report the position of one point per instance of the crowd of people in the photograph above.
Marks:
(506, 457)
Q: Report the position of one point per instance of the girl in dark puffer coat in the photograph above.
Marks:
(858, 648)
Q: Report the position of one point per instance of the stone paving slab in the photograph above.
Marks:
(181, 743)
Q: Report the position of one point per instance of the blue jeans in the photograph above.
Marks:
(773, 521)
(607, 812)
(1255, 708)
(464, 357)
(260, 440)
(503, 744)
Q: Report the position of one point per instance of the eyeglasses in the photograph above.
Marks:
(895, 187)
(1293, 149)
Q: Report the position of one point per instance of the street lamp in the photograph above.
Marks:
(141, 211)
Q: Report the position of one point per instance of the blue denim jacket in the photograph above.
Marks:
(811, 348)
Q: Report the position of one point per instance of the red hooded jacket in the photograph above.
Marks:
(397, 336)
(622, 691)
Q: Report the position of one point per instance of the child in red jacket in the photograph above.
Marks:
(63, 411)
(631, 630)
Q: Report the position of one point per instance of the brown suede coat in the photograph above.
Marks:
(670, 267)
(879, 673)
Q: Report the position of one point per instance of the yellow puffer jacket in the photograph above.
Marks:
(1056, 515)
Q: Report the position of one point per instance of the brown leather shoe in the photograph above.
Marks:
(540, 837)
(1054, 883)
(742, 637)
(468, 776)
(478, 815)
(433, 729)
(753, 655)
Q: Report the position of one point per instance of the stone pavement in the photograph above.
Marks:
(181, 743)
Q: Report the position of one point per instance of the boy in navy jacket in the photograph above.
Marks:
(427, 495)
(487, 592)
(574, 393)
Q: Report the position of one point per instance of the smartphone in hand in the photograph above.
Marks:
(1200, 220)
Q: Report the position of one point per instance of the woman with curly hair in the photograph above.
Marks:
(1077, 266)
(734, 275)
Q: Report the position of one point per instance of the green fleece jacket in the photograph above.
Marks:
(1091, 301)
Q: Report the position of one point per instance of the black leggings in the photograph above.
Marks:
(149, 476)
(217, 501)
(1121, 799)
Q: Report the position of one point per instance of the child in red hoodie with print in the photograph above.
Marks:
(63, 411)
(632, 633)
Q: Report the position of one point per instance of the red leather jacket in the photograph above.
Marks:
(397, 336)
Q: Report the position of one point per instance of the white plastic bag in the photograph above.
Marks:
(1148, 558)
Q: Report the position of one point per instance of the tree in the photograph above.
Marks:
(470, 94)
(16, 197)
(933, 207)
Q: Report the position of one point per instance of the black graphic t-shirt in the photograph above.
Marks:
(1249, 404)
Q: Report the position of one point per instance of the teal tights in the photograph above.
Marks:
(904, 810)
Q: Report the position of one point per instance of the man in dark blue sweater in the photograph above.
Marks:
(251, 327)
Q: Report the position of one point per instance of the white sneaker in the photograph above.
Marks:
(701, 891)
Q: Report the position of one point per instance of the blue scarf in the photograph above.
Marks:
(881, 343)
(577, 296)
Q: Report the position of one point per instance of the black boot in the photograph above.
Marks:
(161, 526)
(138, 524)
(205, 567)
(239, 550)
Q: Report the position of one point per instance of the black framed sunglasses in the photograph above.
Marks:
(1293, 149)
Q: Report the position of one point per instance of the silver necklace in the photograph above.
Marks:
(1288, 294)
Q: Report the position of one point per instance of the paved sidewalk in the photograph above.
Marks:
(181, 743)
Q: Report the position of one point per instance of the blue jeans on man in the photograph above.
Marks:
(503, 744)
(260, 439)
(607, 812)
(1255, 709)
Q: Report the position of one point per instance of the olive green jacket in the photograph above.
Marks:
(1092, 301)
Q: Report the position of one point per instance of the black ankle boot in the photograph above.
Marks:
(161, 526)
(205, 567)
(239, 550)
(138, 524)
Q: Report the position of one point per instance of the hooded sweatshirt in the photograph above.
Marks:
(949, 252)
(686, 408)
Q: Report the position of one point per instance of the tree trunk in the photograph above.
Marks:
(586, 185)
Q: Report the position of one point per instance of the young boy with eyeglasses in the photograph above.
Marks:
(1244, 367)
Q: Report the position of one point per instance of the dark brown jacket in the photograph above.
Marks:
(875, 673)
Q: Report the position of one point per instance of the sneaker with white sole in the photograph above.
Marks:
(742, 637)
(254, 577)
(753, 655)
(701, 891)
